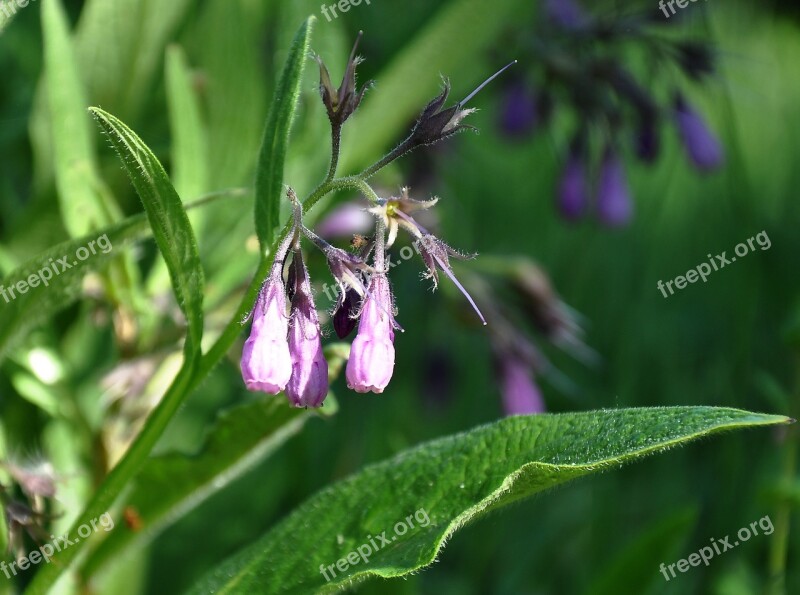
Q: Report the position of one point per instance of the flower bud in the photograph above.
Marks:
(266, 364)
(308, 384)
(341, 103)
(371, 360)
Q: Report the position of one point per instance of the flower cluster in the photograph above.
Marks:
(608, 103)
(284, 351)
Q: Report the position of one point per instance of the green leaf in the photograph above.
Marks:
(269, 173)
(86, 203)
(451, 482)
(635, 568)
(37, 304)
(25, 311)
(171, 485)
(189, 142)
(120, 47)
(170, 224)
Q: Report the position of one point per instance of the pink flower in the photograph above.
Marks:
(266, 364)
(308, 385)
(371, 360)
(521, 396)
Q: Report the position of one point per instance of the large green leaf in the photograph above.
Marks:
(451, 482)
(269, 173)
(170, 485)
(171, 228)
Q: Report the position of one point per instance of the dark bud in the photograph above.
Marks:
(343, 319)
(341, 103)
(435, 124)
(648, 141)
(695, 59)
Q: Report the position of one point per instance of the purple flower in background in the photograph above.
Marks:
(521, 396)
(573, 190)
(308, 384)
(266, 364)
(567, 14)
(344, 221)
(371, 360)
(519, 115)
(614, 205)
(702, 146)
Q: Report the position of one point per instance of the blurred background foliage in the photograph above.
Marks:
(193, 79)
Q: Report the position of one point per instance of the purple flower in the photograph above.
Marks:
(567, 14)
(572, 189)
(519, 116)
(371, 360)
(308, 385)
(344, 221)
(614, 205)
(702, 146)
(266, 364)
(521, 396)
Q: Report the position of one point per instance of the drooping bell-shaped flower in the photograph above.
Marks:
(573, 188)
(702, 146)
(520, 111)
(371, 360)
(567, 14)
(520, 394)
(266, 364)
(308, 384)
(614, 205)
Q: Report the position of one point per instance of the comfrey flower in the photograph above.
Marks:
(371, 362)
(266, 363)
(614, 205)
(573, 189)
(520, 394)
(435, 252)
(308, 384)
(284, 353)
(702, 146)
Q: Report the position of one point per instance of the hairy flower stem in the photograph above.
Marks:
(336, 139)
